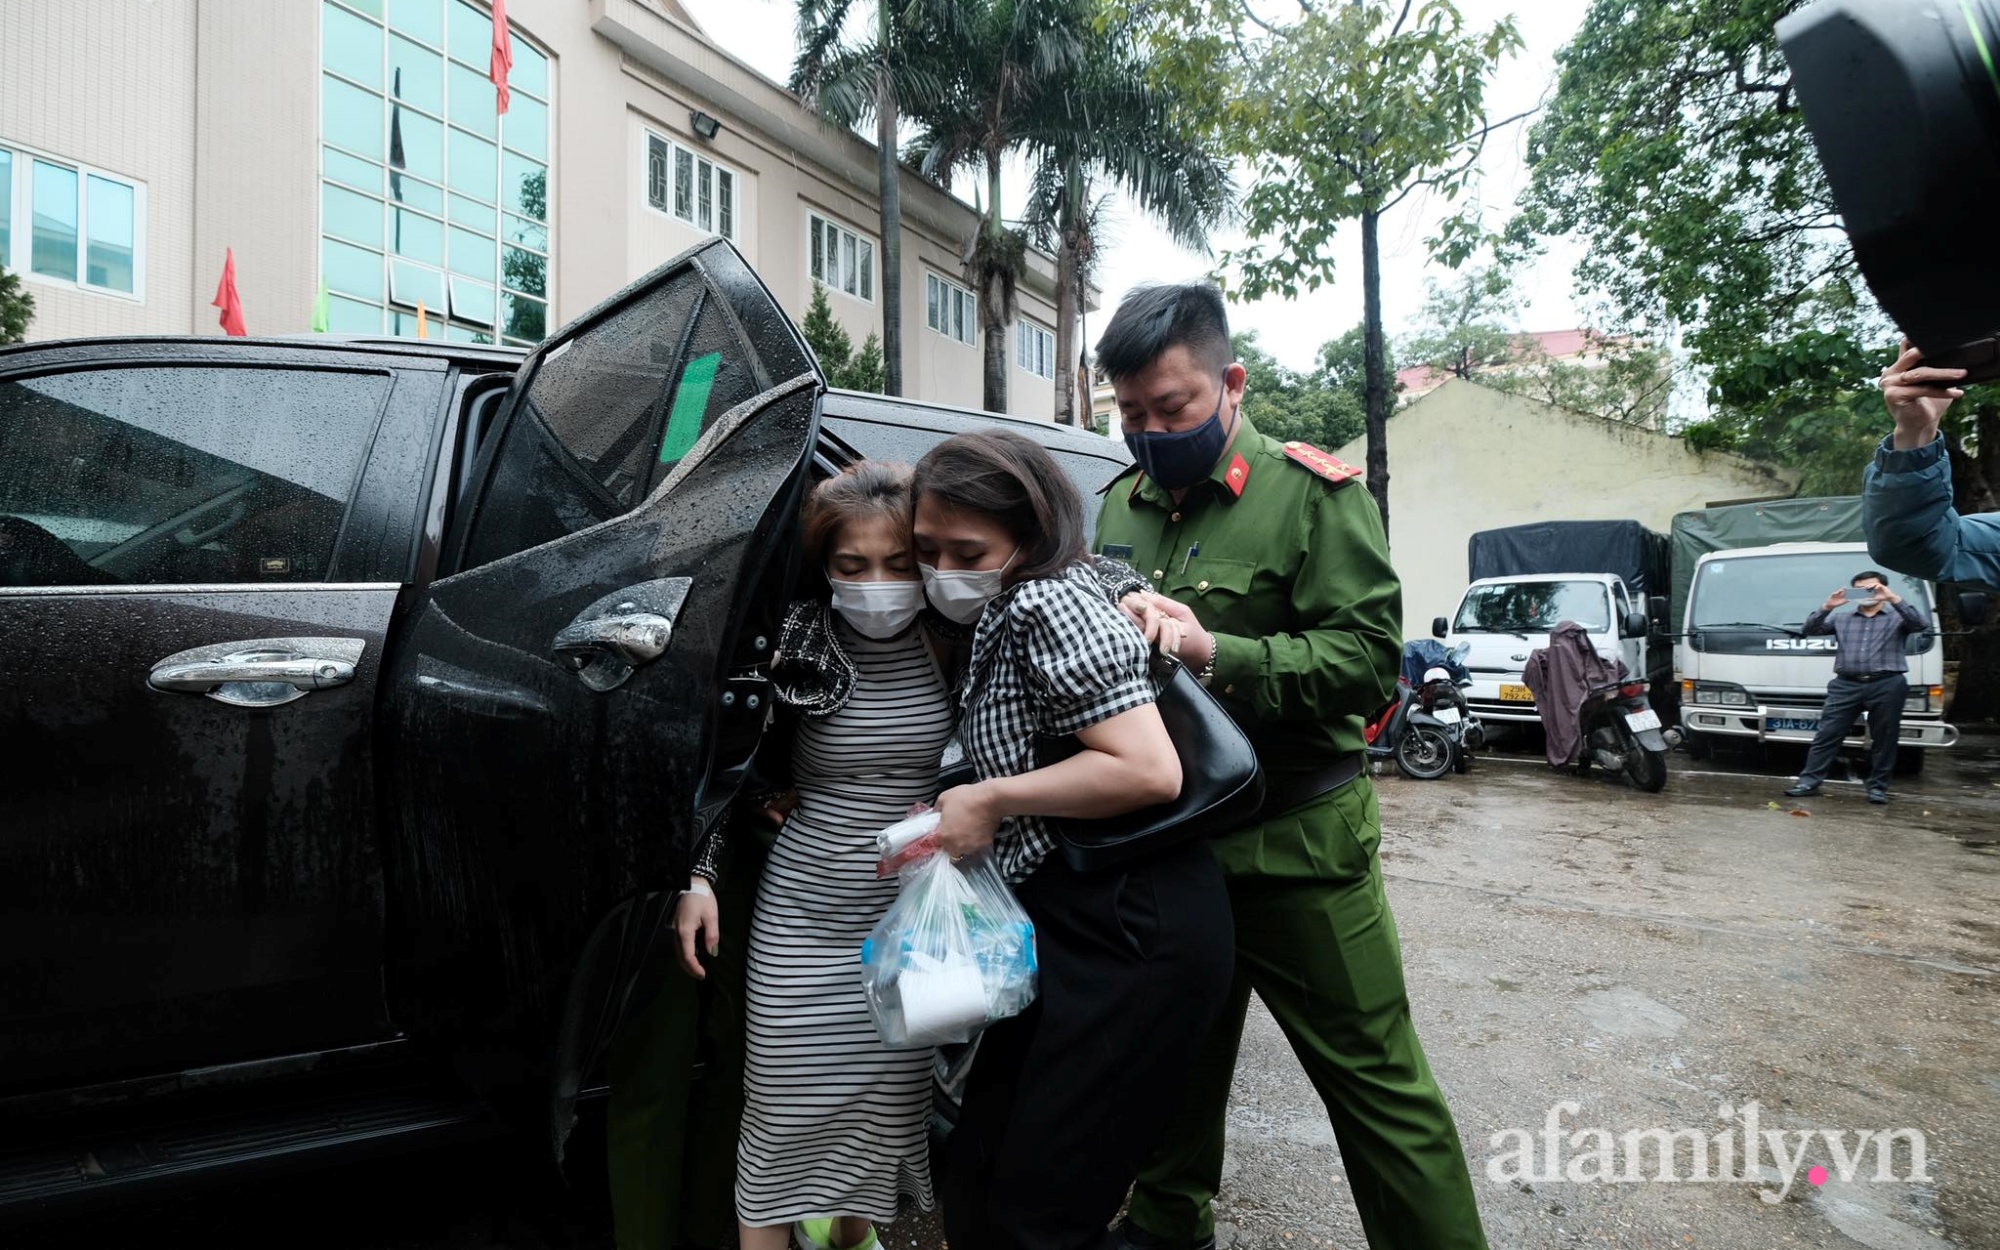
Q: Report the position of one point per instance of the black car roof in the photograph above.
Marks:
(486, 355)
(946, 419)
(850, 405)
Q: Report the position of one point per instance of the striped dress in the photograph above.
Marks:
(834, 1123)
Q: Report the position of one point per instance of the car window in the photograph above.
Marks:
(179, 474)
(1532, 607)
(879, 440)
(609, 414)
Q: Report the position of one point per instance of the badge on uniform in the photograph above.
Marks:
(1116, 551)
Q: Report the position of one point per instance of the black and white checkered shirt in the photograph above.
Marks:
(1054, 656)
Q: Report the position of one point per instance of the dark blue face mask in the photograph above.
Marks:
(1180, 459)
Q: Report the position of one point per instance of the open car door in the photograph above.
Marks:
(579, 693)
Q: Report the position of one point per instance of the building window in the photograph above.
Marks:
(685, 184)
(429, 196)
(1035, 349)
(841, 259)
(79, 226)
(949, 309)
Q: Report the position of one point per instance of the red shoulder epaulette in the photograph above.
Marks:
(1332, 469)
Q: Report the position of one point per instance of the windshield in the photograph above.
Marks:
(1781, 590)
(1534, 607)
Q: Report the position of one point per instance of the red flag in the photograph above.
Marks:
(503, 54)
(226, 297)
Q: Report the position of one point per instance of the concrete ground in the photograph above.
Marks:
(1657, 961)
(1660, 961)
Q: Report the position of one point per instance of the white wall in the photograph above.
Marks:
(111, 84)
(213, 107)
(1464, 459)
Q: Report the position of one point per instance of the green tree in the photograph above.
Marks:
(1322, 406)
(1464, 330)
(1341, 113)
(865, 370)
(1620, 380)
(17, 309)
(833, 347)
(1674, 148)
(850, 82)
(1113, 125)
(1460, 328)
(1005, 65)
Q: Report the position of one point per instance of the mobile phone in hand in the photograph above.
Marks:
(1839, 596)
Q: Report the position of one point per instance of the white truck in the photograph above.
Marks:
(1747, 671)
(1519, 592)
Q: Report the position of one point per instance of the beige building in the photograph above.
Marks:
(353, 147)
(1465, 458)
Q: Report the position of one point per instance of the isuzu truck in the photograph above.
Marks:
(1745, 578)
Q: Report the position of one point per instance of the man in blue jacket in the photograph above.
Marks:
(1906, 497)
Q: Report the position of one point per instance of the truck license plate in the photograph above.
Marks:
(1516, 694)
(1801, 723)
(1449, 715)
(1647, 719)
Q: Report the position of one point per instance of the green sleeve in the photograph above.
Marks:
(1349, 604)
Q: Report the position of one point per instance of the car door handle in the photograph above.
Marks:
(262, 672)
(620, 632)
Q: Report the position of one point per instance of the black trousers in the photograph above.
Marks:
(1846, 699)
(1066, 1101)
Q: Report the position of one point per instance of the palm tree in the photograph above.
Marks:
(1108, 127)
(1004, 65)
(848, 84)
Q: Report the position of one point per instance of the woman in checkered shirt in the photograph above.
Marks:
(1066, 1100)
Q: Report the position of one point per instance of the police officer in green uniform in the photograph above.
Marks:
(1278, 588)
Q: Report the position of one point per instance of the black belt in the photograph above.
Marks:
(1283, 796)
(1870, 676)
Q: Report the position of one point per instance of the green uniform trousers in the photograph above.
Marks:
(1321, 951)
(671, 1138)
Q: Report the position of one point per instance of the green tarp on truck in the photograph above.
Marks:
(1831, 520)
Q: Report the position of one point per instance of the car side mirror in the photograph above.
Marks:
(1975, 608)
(1660, 608)
(1636, 624)
(1440, 627)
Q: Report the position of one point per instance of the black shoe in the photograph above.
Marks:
(1129, 1236)
(1802, 790)
(1878, 795)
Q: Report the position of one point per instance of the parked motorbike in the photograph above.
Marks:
(1622, 733)
(1594, 712)
(1442, 694)
(1424, 729)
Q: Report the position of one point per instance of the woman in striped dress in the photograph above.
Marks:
(835, 1124)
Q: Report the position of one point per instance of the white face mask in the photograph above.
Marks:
(878, 609)
(962, 594)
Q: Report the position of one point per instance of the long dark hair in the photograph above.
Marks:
(1013, 479)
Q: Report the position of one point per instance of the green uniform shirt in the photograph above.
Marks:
(1290, 571)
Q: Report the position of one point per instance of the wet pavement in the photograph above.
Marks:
(1656, 962)
(1662, 961)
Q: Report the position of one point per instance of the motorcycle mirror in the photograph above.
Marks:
(1440, 627)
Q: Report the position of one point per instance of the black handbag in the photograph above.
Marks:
(1222, 785)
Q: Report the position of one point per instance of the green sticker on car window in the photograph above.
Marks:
(690, 402)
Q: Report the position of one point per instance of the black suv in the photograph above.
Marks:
(361, 702)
